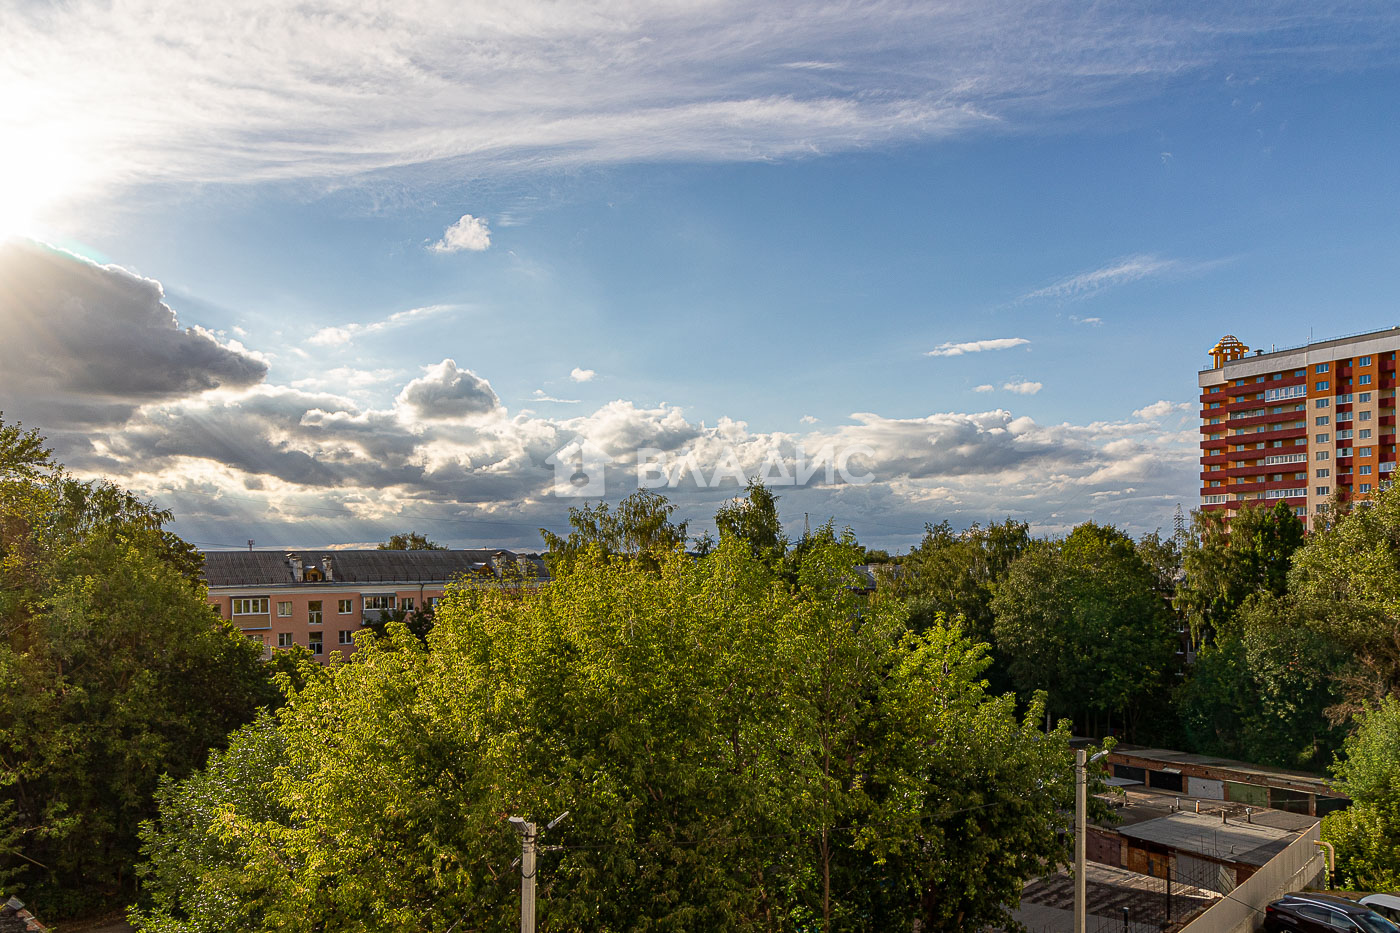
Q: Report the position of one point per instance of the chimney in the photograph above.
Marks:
(326, 569)
(298, 572)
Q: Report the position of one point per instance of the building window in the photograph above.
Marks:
(1323, 438)
(1322, 367)
(1365, 487)
(1363, 416)
(1324, 490)
(1344, 434)
(345, 607)
(1322, 455)
(284, 609)
(1363, 452)
(1323, 403)
(257, 637)
(380, 602)
(250, 606)
(284, 639)
(313, 612)
(1364, 379)
(1324, 473)
(432, 601)
(315, 642)
(1365, 469)
(1324, 385)
(1364, 361)
(345, 638)
(1343, 451)
(1344, 399)
(1322, 420)
(1364, 397)
(406, 604)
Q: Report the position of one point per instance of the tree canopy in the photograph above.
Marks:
(740, 749)
(1367, 834)
(114, 669)
(410, 541)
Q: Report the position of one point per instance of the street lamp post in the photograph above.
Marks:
(1081, 806)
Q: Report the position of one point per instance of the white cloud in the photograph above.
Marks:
(985, 387)
(447, 392)
(1119, 272)
(582, 375)
(343, 334)
(1092, 321)
(1023, 387)
(809, 419)
(1161, 409)
(151, 91)
(541, 396)
(468, 233)
(977, 346)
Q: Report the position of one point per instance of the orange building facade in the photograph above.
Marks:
(1304, 426)
(320, 599)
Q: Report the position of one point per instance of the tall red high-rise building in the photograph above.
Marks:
(1302, 425)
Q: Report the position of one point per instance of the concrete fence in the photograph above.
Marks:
(1242, 910)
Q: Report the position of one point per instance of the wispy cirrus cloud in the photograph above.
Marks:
(126, 94)
(337, 336)
(977, 346)
(1118, 272)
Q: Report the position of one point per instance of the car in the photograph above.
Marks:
(1387, 905)
(1323, 913)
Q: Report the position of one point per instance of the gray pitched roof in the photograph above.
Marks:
(274, 568)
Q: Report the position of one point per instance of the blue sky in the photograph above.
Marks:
(988, 244)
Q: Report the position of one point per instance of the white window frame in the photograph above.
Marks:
(250, 605)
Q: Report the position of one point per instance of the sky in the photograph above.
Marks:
(312, 274)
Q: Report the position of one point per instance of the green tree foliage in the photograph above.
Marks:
(1260, 692)
(1347, 579)
(1225, 565)
(410, 541)
(753, 518)
(1081, 619)
(114, 670)
(1367, 834)
(741, 749)
(957, 573)
(638, 528)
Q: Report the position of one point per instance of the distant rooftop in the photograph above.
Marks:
(275, 568)
(1314, 344)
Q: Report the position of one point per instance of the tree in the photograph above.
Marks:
(1224, 564)
(1261, 691)
(739, 751)
(410, 541)
(1367, 834)
(1081, 619)
(1347, 582)
(115, 669)
(753, 518)
(639, 528)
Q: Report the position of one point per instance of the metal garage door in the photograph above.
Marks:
(1210, 790)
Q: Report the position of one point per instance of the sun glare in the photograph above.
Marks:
(33, 180)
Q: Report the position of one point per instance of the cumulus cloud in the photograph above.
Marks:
(468, 233)
(542, 396)
(809, 419)
(1023, 387)
(977, 346)
(447, 392)
(984, 387)
(86, 344)
(582, 375)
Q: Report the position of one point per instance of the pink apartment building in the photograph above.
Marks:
(320, 599)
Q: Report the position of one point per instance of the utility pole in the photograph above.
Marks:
(1081, 807)
(529, 869)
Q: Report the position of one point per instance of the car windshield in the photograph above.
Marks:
(1373, 923)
